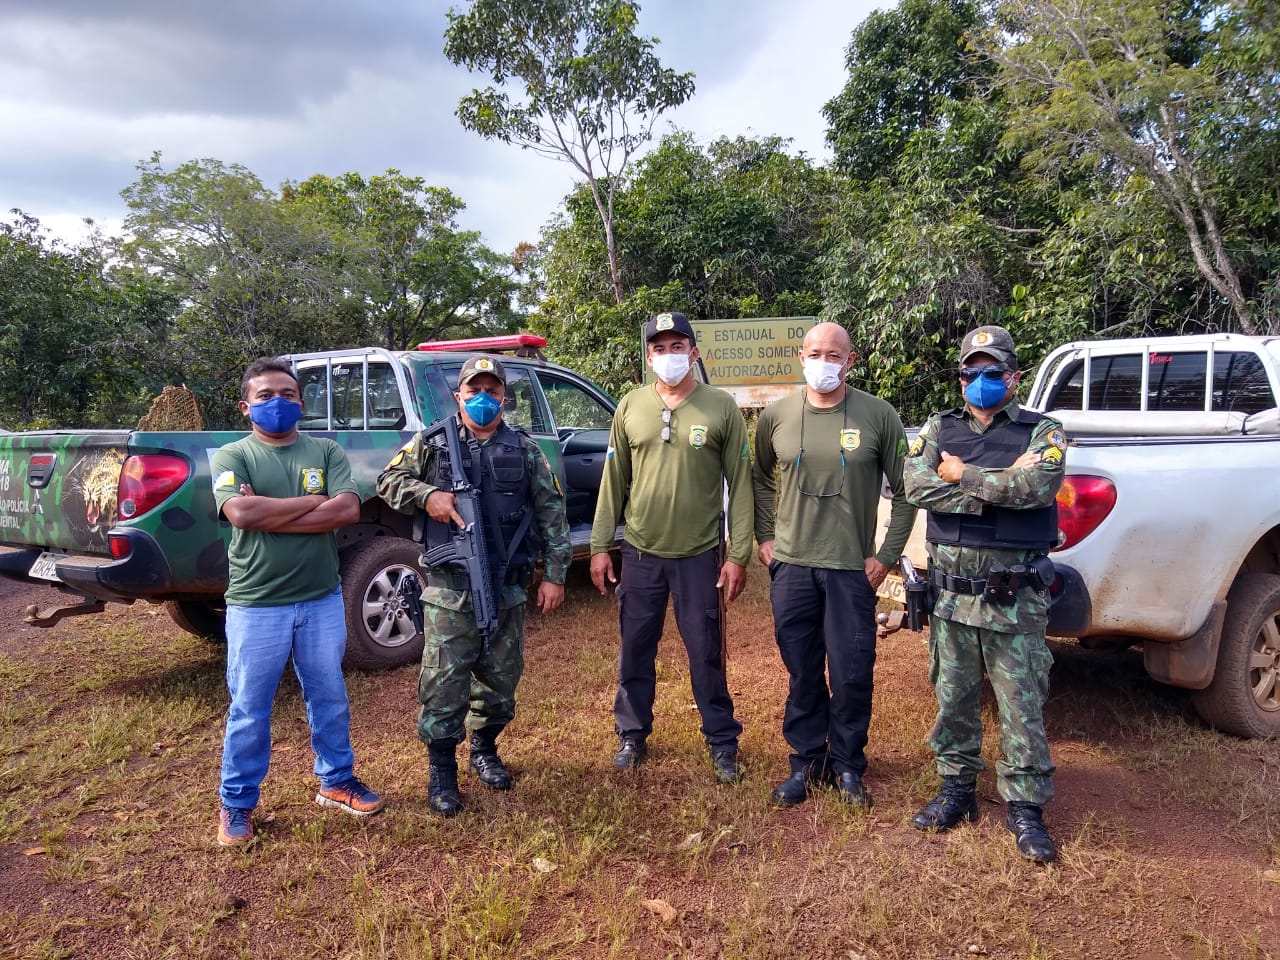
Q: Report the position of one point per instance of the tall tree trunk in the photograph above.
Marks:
(610, 244)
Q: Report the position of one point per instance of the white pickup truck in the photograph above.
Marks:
(1169, 516)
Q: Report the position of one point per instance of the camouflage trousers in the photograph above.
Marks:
(1018, 665)
(463, 686)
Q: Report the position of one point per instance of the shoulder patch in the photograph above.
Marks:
(917, 446)
(1051, 455)
(1058, 438)
(226, 480)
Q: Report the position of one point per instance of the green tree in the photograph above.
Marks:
(1142, 89)
(905, 66)
(593, 89)
(733, 228)
(74, 334)
(416, 274)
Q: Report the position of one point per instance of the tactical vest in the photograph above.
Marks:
(1002, 527)
(499, 472)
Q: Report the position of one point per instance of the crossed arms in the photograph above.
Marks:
(314, 513)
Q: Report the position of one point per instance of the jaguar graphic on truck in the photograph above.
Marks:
(120, 516)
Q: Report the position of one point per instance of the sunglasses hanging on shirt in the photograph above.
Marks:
(801, 485)
(666, 425)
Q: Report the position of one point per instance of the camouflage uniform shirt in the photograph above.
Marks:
(401, 486)
(1018, 488)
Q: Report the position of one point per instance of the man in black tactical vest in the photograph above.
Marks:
(989, 474)
(466, 682)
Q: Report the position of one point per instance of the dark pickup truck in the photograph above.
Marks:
(107, 515)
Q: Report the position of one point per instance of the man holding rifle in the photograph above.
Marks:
(820, 456)
(469, 673)
(672, 446)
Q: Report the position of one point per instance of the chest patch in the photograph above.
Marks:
(850, 438)
(312, 480)
(698, 435)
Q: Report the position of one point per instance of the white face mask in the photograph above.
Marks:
(821, 375)
(670, 368)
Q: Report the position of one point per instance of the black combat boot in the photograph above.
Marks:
(631, 752)
(796, 787)
(850, 790)
(442, 782)
(956, 801)
(725, 762)
(1026, 823)
(486, 764)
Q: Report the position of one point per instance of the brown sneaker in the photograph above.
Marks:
(351, 797)
(235, 826)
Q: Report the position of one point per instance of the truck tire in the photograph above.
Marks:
(380, 634)
(1244, 697)
(200, 617)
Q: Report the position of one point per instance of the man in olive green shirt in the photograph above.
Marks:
(672, 447)
(820, 456)
(284, 495)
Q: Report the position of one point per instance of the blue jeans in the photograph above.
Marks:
(259, 642)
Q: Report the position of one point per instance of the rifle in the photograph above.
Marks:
(722, 554)
(466, 548)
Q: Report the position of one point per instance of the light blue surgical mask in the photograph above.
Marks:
(482, 408)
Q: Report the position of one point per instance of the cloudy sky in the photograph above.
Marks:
(295, 87)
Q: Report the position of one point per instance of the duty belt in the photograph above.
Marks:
(1000, 586)
(968, 585)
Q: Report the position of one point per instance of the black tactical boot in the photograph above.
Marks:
(850, 790)
(794, 789)
(631, 753)
(486, 764)
(956, 801)
(1025, 822)
(442, 782)
(725, 762)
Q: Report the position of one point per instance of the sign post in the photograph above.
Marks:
(755, 360)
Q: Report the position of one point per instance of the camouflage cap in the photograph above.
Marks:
(669, 323)
(482, 363)
(991, 340)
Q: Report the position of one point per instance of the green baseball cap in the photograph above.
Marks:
(482, 363)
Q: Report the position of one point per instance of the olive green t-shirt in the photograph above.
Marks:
(273, 569)
(671, 492)
(821, 512)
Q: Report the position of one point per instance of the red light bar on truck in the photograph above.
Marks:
(521, 344)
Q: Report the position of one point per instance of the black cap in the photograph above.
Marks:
(669, 323)
(991, 340)
(482, 363)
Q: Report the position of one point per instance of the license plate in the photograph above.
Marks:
(45, 567)
(893, 589)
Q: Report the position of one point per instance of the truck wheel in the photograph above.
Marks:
(200, 617)
(380, 633)
(1244, 697)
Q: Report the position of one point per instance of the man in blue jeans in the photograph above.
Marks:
(284, 494)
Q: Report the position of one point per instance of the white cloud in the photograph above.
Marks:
(345, 91)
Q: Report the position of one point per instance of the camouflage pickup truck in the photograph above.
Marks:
(107, 515)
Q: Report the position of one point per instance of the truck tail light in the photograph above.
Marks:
(1083, 503)
(148, 479)
(119, 545)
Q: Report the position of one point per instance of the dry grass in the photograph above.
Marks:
(110, 733)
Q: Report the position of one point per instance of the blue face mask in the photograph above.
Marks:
(987, 389)
(482, 408)
(277, 415)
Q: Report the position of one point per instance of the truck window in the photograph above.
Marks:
(314, 384)
(1240, 383)
(1176, 381)
(348, 390)
(386, 408)
(1070, 395)
(572, 408)
(1115, 383)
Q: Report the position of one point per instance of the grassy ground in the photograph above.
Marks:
(110, 732)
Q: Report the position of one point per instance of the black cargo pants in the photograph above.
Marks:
(825, 618)
(645, 584)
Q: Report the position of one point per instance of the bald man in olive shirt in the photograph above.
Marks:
(820, 456)
(672, 447)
